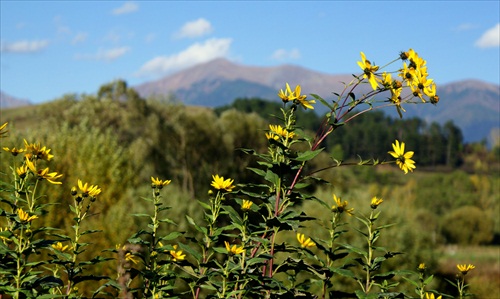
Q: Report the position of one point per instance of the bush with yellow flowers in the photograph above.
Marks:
(237, 249)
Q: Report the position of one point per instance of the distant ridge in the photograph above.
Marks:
(221, 70)
(8, 101)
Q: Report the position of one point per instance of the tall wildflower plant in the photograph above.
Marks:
(242, 247)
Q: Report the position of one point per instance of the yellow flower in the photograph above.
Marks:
(59, 247)
(51, 177)
(246, 205)
(303, 242)
(341, 206)
(14, 151)
(277, 131)
(403, 159)
(375, 202)
(177, 255)
(301, 99)
(35, 151)
(465, 268)
(157, 183)
(22, 170)
(2, 132)
(234, 249)
(431, 296)
(220, 184)
(408, 74)
(286, 95)
(131, 258)
(368, 70)
(421, 267)
(430, 91)
(25, 217)
(88, 190)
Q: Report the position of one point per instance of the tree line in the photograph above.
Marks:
(372, 134)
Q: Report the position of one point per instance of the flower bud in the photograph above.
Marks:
(434, 99)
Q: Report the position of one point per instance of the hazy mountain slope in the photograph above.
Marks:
(8, 101)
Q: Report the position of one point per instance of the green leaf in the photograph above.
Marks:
(141, 215)
(354, 249)
(171, 236)
(272, 177)
(416, 284)
(308, 155)
(190, 251)
(317, 97)
(257, 171)
(204, 205)
(198, 228)
(344, 272)
(167, 220)
(90, 231)
(428, 279)
(235, 217)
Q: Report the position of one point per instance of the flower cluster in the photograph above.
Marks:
(85, 190)
(288, 95)
(32, 153)
(414, 74)
(276, 132)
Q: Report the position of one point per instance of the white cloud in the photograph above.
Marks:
(80, 37)
(104, 55)
(282, 54)
(196, 53)
(24, 46)
(61, 28)
(465, 27)
(150, 37)
(195, 28)
(491, 38)
(126, 8)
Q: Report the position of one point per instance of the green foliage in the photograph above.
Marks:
(434, 144)
(468, 225)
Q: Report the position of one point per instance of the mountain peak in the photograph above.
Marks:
(221, 69)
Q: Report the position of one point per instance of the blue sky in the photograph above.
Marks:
(50, 48)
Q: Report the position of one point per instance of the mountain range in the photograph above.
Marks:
(472, 105)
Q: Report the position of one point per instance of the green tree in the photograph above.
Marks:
(468, 225)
